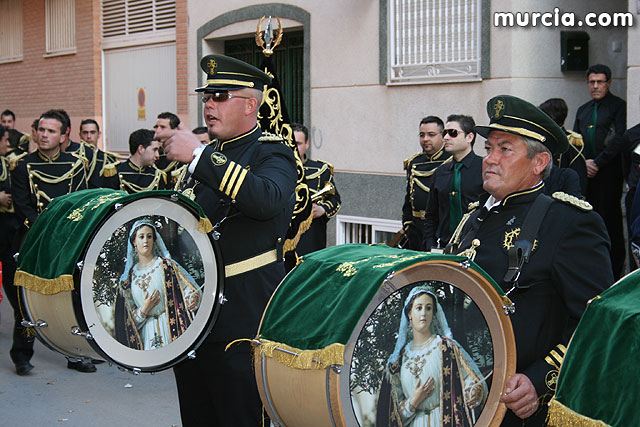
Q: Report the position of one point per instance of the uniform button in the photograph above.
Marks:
(279, 239)
(475, 243)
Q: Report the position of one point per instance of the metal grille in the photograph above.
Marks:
(130, 17)
(288, 59)
(352, 229)
(61, 25)
(10, 30)
(434, 40)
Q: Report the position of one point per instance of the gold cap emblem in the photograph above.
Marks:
(498, 109)
(212, 66)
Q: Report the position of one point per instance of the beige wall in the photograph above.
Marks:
(362, 126)
(633, 68)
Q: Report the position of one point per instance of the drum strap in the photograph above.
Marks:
(521, 250)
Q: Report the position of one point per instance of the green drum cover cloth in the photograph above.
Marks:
(321, 301)
(54, 244)
(601, 370)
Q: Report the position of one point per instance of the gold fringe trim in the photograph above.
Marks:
(561, 416)
(290, 244)
(332, 354)
(204, 226)
(44, 286)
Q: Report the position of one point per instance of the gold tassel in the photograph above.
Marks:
(332, 354)
(44, 286)
(561, 416)
(290, 244)
(204, 226)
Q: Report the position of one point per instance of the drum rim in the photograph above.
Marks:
(490, 304)
(209, 324)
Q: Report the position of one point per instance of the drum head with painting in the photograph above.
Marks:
(150, 285)
(428, 352)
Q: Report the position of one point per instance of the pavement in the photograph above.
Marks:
(53, 395)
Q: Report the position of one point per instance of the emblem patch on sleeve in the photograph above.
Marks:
(218, 158)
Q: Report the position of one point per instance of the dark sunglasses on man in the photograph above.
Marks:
(220, 96)
(452, 132)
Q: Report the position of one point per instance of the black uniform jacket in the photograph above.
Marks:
(569, 265)
(316, 175)
(8, 222)
(436, 224)
(420, 169)
(33, 186)
(612, 119)
(250, 184)
(131, 178)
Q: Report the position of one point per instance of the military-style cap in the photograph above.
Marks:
(514, 115)
(226, 73)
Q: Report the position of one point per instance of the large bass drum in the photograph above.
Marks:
(341, 345)
(88, 295)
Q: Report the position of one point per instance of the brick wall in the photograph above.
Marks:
(71, 82)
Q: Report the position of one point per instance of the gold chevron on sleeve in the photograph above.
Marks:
(226, 175)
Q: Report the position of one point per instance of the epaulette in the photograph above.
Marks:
(408, 161)
(572, 200)
(109, 170)
(14, 159)
(24, 138)
(270, 137)
(575, 138)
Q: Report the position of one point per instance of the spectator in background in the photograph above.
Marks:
(599, 121)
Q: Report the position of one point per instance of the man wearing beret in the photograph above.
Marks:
(550, 254)
(244, 181)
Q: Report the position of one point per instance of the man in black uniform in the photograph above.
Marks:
(40, 176)
(567, 252)
(455, 184)
(166, 121)
(318, 176)
(599, 121)
(103, 163)
(420, 168)
(246, 180)
(138, 173)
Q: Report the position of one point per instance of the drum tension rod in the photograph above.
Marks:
(75, 330)
(38, 324)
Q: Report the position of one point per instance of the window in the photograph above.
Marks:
(433, 41)
(126, 22)
(10, 30)
(60, 17)
(355, 229)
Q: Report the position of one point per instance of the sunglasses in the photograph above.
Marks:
(220, 96)
(452, 133)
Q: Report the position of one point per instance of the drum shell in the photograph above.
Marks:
(297, 397)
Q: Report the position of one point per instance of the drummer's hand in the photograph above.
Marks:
(194, 299)
(5, 199)
(150, 302)
(520, 396)
(179, 143)
(421, 392)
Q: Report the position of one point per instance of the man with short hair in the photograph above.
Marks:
(103, 163)
(549, 254)
(166, 121)
(202, 133)
(456, 184)
(318, 176)
(601, 122)
(248, 180)
(40, 176)
(420, 168)
(8, 119)
(138, 173)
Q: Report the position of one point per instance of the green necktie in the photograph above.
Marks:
(590, 140)
(455, 199)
